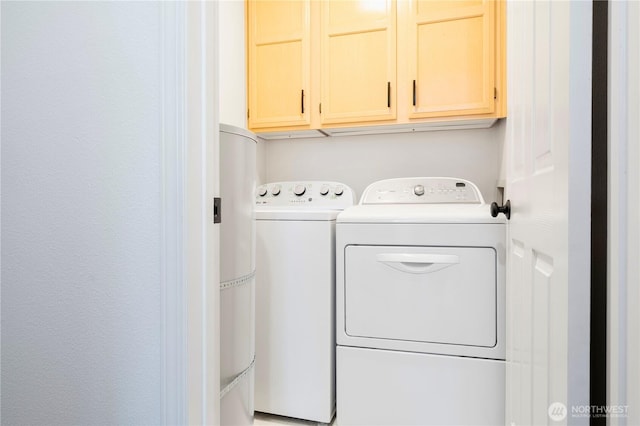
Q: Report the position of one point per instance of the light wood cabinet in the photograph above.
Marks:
(451, 58)
(358, 60)
(279, 53)
(336, 63)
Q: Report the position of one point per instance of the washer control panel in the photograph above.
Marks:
(422, 190)
(309, 193)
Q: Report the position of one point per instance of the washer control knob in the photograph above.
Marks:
(299, 190)
(418, 190)
(262, 191)
(275, 190)
(324, 189)
(339, 190)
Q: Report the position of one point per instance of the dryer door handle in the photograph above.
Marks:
(417, 263)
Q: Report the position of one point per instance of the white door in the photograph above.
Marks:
(548, 145)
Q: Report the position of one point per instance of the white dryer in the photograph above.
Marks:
(295, 297)
(420, 302)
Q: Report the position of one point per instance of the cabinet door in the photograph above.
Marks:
(279, 63)
(451, 57)
(358, 58)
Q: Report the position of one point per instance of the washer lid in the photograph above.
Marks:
(420, 213)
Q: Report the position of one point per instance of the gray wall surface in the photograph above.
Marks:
(357, 161)
(80, 192)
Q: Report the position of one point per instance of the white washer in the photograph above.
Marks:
(295, 294)
(420, 297)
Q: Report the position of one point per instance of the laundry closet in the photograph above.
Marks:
(318, 134)
(320, 212)
(403, 104)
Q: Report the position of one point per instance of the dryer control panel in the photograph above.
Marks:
(422, 190)
(319, 194)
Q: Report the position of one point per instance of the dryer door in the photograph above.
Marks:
(441, 295)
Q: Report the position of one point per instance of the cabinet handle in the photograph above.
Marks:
(388, 94)
(414, 93)
(302, 101)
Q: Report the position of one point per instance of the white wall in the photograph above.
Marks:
(81, 183)
(233, 81)
(233, 76)
(360, 160)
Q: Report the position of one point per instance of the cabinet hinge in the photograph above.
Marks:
(247, 113)
(495, 93)
(320, 107)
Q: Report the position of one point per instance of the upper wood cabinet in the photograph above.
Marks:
(358, 61)
(279, 51)
(348, 63)
(451, 57)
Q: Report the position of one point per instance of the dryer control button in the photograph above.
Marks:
(299, 190)
(275, 190)
(418, 190)
(339, 190)
(324, 189)
(262, 191)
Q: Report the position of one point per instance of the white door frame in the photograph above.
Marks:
(190, 240)
(623, 263)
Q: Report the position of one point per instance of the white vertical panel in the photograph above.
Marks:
(624, 211)
(202, 236)
(543, 145)
(525, 322)
(232, 63)
(521, 335)
(578, 187)
(548, 88)
(174, 370)
(633, 267)
(542, 279)
(515, 260)
(515, 126)
(616, 268)
(527, 76)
